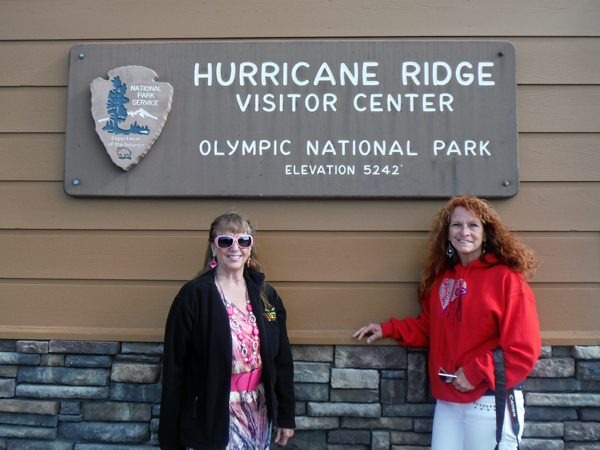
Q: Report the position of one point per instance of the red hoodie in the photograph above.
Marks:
(494, 307)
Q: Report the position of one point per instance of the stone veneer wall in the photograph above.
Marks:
(77, 395)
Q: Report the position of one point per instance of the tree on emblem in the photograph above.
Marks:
(117, 111)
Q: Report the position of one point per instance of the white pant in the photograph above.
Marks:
(472, 426)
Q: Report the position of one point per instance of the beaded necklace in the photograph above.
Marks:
(235, 326)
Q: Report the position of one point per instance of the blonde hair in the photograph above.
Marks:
(235, 223)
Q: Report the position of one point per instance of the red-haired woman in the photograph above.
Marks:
(475, 299)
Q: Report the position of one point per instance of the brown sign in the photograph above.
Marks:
(334, 118)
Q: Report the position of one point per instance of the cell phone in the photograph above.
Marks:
(447, 375)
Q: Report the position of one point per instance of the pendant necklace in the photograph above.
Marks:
(235, 326)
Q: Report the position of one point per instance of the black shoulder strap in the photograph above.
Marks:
(501, 394)
(500, 375)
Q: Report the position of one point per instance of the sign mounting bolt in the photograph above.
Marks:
(81, 55)
(506, 184)
(76, 182)
(501, 53)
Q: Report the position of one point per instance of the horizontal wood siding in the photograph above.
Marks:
(108, 269)
(190, 19)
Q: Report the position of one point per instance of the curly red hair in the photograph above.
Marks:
(500, 241)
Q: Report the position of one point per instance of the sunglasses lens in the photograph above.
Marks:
(444, 379)
(224, 242)
(245, 241)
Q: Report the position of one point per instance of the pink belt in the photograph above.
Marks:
(245, 381)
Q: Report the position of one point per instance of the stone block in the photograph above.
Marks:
(552, 384)
(410, 447)
(371, 357)
(312, 353)
(8, 345)
(354, 379)
(63, 392)
(590, 414)
(305, 440)
(540, 399)
(410, 438)
(21, 431)
(9, 371)
(34, 420)
(130, 392)
(155, 410)
(347, 447)
(40, 347)
(561, 350)
(408, 410)
(116, 412)
(344, 409)
(544, 429)
(25, 444)
(391, 423)
(54, 360)
(416, 388)
(380, 440)
(70, 408)
(85, 347)
(111, 432)
(586, 352)
(138, 358)
(64, 376)
(7, 387)
(19, 359)
(98, 361)
(393, 391)
(300, 409)
(542, 444)
(316, 392)
(394, 374)
(581, 446)
(589, 385)
(154, 425)
(143, 348)
(549, 414)
(135, 373)
(423, 425)
(84, 446)
(341, 436)
(554, 368)
(317, 423)
(546, 351)
(354, 395)
(582, 431)
(307, 372)
(588, 370)
(70, 417)
(29, 406)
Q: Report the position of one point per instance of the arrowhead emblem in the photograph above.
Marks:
(130, 110)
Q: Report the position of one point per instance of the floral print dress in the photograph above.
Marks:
(248, 422)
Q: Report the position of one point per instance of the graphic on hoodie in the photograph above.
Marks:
(448, 295)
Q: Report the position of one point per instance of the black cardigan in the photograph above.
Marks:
(197, 365)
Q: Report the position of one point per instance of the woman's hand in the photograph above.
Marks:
(461, 383)
(283, 434)
(374, 329)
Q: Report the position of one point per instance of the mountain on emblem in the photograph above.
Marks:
(129, 135)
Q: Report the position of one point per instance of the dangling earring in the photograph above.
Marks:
(450, 250)
(483, 249)
(249, 261)
(213, 263)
